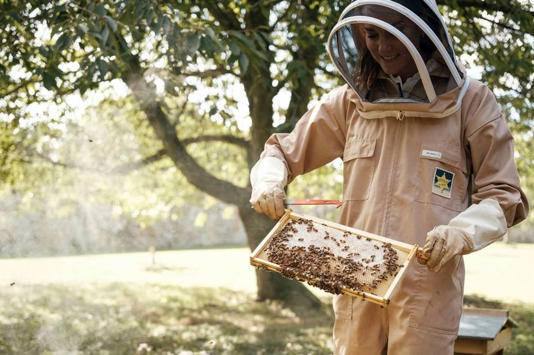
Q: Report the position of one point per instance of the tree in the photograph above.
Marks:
(165, 51)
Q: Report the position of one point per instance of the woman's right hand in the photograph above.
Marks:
(268, 178)
(268, 198)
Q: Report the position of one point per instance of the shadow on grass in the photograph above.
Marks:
(127, 319)
(123, 318)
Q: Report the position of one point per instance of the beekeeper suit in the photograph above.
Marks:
(427, 159)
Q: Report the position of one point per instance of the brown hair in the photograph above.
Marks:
(367, 69)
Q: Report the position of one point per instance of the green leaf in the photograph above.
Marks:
(166, 24)
(44, 51)
(243, 62)
(62, 42)
(263, 40)
(225, 115)
(234, 48)
(83, 28)
(244, 39)
(232, 59)
(124, 44)
(105, 36)
(149, 17)
(103, 68)
(83, 88)
(111, 23)
(91, 70)
(94, 26)
(211, 33)
(49, 81)
(192, 42)
(208, 45)
(101, 10)
(248, 45)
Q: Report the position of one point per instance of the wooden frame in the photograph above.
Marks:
(406, 253)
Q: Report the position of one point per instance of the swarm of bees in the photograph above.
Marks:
(310, 253)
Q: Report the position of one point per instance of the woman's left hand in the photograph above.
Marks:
(443, 243)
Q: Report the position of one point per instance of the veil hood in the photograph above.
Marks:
(420, 28)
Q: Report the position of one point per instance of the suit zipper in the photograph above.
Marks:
(392, 173)
(399, 86)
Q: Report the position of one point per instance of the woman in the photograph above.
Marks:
(427, 159)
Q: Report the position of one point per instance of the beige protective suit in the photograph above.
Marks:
(408, 166)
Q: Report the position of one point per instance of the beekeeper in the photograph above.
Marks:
(427, 159)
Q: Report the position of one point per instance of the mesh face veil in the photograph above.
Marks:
(394, 51)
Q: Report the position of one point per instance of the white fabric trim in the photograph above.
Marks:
(431, 4)
(268, 170)
(434, 7)
(422, 25)
(419, 62)
(483, 223)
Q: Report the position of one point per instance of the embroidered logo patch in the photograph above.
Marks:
(442, 182)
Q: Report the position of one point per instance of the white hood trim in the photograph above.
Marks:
(422, 25)
(434, 7)
(419, 62)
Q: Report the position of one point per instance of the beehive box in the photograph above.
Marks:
(333, 257)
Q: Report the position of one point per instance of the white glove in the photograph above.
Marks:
(471, 230)
(268, 178)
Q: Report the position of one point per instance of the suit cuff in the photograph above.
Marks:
(482, 223)
(269, 169)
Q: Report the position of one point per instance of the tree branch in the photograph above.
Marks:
(500, 24)
(19, 86)
(127, 168)
(226, 138)
(160, 154)
(208, 73)
(484, 5)
(165, 131)
(227, 18)
(60, 163)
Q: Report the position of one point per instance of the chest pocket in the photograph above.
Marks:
(358, 168)
(443, 179)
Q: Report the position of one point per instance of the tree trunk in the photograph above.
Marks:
(270, 284)
(258, 84)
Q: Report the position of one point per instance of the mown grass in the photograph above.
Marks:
(122, 318)
(125, 319)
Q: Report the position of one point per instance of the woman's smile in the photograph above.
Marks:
(389, 58)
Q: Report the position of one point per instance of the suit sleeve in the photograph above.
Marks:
(491, 146)
(317, 139)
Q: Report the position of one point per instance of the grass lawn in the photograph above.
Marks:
(121, 318)
(202, 302)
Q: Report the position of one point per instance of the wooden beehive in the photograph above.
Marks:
(355, 240)
(483, 331)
